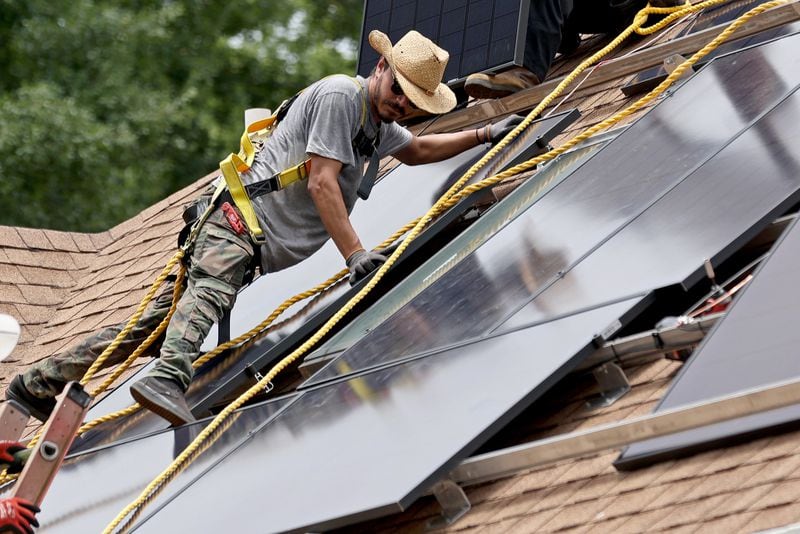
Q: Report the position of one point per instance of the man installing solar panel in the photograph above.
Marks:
(324, 136)
(554, 26)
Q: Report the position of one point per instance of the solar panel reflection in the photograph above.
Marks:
(372, 445)
(91, 488)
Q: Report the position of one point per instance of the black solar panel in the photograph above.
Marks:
(754, 345)
(372, 445)
(93, 487)
(675, 188)
(710, 214)
(449, 256)
(478, 34)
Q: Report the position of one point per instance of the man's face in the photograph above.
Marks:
(389, 102)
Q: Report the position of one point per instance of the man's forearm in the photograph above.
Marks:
(330, 205)
(323, 186)
(437, 147)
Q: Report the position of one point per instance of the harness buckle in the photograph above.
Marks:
(270, 185)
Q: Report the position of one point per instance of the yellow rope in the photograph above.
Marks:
(268, 321)
(130, 410)
(133, 320)
(127, 363)
(118, 340)
(175, 260)
(202, 442)
(121, 368)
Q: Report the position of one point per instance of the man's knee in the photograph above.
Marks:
(211, 298)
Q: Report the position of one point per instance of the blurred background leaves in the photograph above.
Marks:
(108, 106)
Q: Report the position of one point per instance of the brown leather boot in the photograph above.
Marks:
(499, 85)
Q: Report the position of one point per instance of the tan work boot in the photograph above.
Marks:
(163, 397)
(499, 85)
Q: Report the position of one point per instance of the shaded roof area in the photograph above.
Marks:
(62, 286)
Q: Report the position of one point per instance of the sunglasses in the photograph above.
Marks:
(396, 89)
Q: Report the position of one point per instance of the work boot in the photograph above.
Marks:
(163, 397)
(37, 407)
(499, 85)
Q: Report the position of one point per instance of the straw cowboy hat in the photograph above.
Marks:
(418, 66)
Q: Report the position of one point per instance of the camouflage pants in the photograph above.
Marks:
(215, 274)
(47, 378)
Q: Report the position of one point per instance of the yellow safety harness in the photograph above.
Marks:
(253, 138)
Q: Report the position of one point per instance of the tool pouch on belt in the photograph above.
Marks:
(192, 213)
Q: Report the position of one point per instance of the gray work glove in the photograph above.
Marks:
(388, 251)
(361, 263)
(499, 130)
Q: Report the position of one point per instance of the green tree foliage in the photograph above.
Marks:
(107, 106)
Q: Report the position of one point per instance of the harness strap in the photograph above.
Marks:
(235, 164)
(239, 197)
(276, 182)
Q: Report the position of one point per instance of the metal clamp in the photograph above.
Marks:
(613, 385)
(269, 386)
(256, 374)
(454, 503)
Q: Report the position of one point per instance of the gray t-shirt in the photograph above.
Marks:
(323, 120)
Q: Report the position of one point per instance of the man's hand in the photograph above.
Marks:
(7, 450)
(501, 129)
(17, 516)
(361, 263)
(388, 251)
